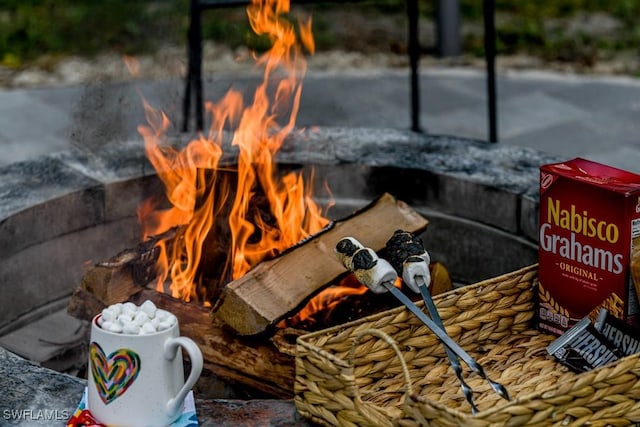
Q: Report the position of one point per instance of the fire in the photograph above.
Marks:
(327, 300)
(264, 212)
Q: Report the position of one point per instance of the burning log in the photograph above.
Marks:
(120, 277)
(275, 288)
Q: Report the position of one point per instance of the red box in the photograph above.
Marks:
(589, 227)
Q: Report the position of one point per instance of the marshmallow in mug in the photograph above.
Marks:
(130, 319)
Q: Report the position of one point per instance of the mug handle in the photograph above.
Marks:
(195, 355)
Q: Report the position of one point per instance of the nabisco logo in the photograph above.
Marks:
(546, 179)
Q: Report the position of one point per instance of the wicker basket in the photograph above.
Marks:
(389, 369)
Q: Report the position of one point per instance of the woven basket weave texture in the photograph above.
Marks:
(389, 369)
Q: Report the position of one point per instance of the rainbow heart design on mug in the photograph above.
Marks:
(115, 373)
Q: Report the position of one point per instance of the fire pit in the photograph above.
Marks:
(72, 209)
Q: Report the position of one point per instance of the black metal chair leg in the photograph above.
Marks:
(186, 104)
(490, 58)
(414, 56)
(194, 70)
(197, 83)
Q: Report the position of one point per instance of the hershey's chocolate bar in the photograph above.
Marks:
(583, 348)
(618, 333)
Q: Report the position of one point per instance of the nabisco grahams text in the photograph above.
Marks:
(589, 243)
(580, 225)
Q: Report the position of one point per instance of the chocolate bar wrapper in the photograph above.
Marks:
(618, 333)
(582, 348)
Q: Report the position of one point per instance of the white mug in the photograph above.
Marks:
(138, 380)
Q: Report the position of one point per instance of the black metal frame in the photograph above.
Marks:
(194, 72)
(489, 7)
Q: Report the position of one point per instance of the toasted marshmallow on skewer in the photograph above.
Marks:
(415, 273)
(370, 270)
(373, 272)
(345, 249)
(408, 256)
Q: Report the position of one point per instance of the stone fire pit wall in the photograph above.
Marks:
(63, 212)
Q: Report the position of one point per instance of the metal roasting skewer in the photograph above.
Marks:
(378, 275)
(415, 273)
(453, 359)
(497, 387)
(459, 351)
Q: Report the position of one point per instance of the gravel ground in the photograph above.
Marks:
(171, 63)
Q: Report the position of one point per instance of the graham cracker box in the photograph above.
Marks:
(589, 243)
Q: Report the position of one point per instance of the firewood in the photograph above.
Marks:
(267, 293)
(83, 305)
(124, 274)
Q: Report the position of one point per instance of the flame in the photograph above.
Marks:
(201, 191)
(328, 299)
